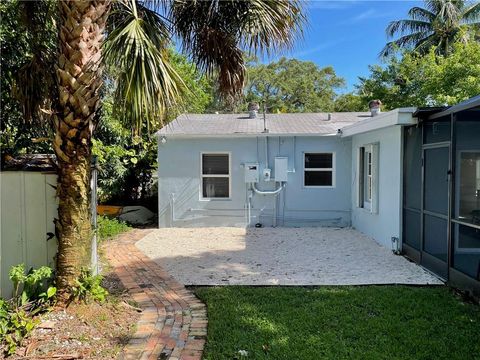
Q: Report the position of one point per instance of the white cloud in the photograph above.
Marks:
(369, 14)
(322, 46)
(329, 4)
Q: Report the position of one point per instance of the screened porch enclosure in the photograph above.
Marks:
(441, 194)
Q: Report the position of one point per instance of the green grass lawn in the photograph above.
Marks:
(370, 322)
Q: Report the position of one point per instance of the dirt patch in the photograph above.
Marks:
(84, 331)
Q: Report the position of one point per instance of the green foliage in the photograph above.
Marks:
(108, 228)
(88, 287)
(429, 80)
(146, 82)
(350, 102)
(128, 162)
(21, 73)
(200, 94)
(292, 85)
(33, 286)
(439, 25)
(15, 324)
(32, 294)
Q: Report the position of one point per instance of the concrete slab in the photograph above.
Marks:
(278, 256)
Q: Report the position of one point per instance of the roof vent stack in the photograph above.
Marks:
(375, 107)
(253, 108)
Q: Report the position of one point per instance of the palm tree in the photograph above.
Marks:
(439, 24)
(130, 37)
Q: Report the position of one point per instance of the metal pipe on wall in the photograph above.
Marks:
(266, 152)
(268, 192)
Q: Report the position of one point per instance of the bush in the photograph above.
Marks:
(15, 324)
(32, 293)
(108, 228)
(89, 287)
(34, 285)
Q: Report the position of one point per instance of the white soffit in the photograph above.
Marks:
(400, 116)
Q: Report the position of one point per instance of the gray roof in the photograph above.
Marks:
(29, 162)
(277, 124)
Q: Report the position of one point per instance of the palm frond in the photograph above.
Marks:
(450, 11)
(471, 14)
(407, 26)
(215, 33)
(272, 26)
(425, 44)
(407, 41)
(135, 50)
(418, 13)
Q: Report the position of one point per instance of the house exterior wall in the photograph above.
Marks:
(180, 204)
(27, 211)
(386, 222)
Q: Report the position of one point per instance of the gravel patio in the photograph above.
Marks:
(278, 256)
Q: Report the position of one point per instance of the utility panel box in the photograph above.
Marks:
(281, 169)
(251, 173)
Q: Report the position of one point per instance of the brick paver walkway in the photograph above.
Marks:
(173, 324)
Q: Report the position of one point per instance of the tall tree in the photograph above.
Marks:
(214, 33)
(291, 85)
(26, 49)
(439, 24)
(430, 80)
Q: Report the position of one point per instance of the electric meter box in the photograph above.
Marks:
(281, 169)
(251, 173)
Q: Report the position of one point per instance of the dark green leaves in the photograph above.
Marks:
(146, 83)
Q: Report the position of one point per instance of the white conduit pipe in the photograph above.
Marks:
(274, 193)
(269, 192)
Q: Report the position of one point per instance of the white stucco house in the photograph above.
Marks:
(408, 178)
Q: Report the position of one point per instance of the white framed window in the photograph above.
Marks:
(319, 169)
(215, 176)
(367, 177)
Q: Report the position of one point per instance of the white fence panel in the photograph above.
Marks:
(28, 210)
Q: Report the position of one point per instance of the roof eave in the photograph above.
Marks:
(400, 116)
(239, 135)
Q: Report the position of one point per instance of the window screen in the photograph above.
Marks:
(215, 176)
(367, 182)
(318, 169)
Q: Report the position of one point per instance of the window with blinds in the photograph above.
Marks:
(215, 176)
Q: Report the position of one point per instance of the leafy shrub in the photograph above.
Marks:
(32, 293)
(89, 286)
(108, 228)
(34, 285)
(15, 324)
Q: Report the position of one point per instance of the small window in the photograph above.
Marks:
(215, 176)
(367, 171)
(319, 169)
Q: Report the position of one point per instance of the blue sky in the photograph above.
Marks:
(348, 34)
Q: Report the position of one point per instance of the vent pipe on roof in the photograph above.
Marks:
(253, 108)
(375, 107)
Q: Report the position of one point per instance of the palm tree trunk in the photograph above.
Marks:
(79, 77)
